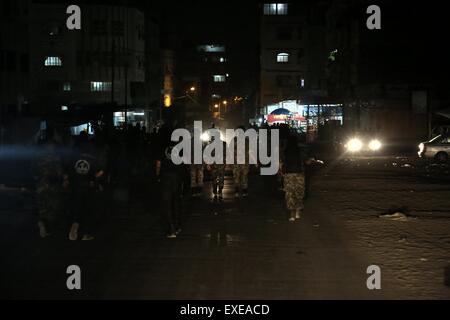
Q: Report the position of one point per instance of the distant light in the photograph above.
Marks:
(64, 108)
(205, 136)
(167, 100)
(192, 89)
(375, 145)
(225, 102)
(227, 75)
(216, 106)
(139, 113)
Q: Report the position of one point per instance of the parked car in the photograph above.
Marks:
(437, 148)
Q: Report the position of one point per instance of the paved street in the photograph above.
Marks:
(246, 249)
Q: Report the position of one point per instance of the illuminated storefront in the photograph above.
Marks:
(306, 118)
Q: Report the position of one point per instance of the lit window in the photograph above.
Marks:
(302, 83)
(67, 86)
(216, 96)
(283, 57)
(100, 86)
(53, 62)
(275, 9)
(219, 78)
(211, 48)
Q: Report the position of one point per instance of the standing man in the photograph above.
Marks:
(84, 175)
(196, 174)
(218, 174)
(241, 171)
(169, 175)
(294, 178)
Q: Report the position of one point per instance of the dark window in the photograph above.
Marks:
(284, 33)
(284, 81)
(80, 59)
(300, 55)
(2, 61)
(24, 63)
(117, 28)
(99, 27)
(141, 32)
(300, 33)
(6, 8)
(11, 61)
(53, 85)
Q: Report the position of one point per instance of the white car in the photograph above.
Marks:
(437, 148)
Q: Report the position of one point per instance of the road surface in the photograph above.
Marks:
(246, 248)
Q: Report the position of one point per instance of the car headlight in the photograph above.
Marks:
(354, 145)
(421, 147)
(375, 145)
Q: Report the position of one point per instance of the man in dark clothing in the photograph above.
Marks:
(170, 177)
(84, 173)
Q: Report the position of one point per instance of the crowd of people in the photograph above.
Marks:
(78, 177)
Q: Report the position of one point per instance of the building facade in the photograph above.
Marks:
(103, 63)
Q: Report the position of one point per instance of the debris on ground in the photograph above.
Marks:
(398, 216)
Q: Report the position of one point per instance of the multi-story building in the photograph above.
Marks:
(204, 70)
(112, 64)
(293, 59)
(14, 61)
(103, 63)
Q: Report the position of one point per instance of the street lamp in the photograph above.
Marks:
(192, 89)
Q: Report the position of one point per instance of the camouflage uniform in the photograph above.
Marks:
(294, 187)
(48, 188)
(240, 176)
(218, 177)
(196, 175)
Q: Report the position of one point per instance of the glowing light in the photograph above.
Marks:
(205, 136)
(375, 145)
(354, 145)
(167, 100)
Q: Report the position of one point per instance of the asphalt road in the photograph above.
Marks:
(235, 249)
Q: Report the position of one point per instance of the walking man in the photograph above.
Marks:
(294, 178)
(169, 176)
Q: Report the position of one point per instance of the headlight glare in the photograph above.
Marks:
(354, 145)
(375, 145)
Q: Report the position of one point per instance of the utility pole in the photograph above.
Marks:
(113, 72)
(126, 67)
